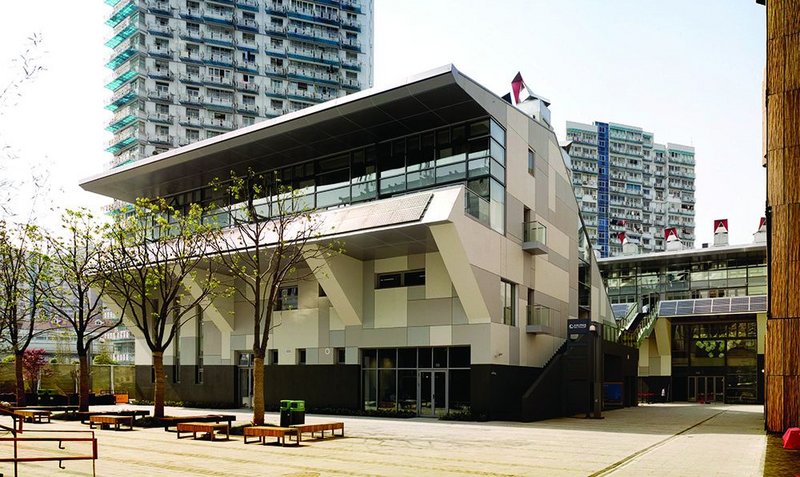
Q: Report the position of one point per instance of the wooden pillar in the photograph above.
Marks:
(782, 351)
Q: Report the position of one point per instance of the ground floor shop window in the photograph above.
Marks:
(428, 381)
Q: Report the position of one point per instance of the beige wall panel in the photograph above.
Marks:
(437, 281)
(393, 264)
(391, 307)
(441, 335)
(478, 337)
(551, 190)
(419, 336)
(416, 261)
(384, 337)
(518, 180)
(551, 280)
(489, 286)
(430, 312)
(336, 323)
(308, 294)
(297, 329)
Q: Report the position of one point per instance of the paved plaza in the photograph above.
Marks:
(668, 439)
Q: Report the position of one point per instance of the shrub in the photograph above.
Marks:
(465, 415)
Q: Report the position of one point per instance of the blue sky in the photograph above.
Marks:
(688, 71)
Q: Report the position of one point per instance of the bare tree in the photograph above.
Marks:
(23, 268)
(267, 243)
(75, 291)
(153, 251)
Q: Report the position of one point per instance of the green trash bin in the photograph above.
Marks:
(293, 411)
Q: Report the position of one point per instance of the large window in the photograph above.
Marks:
(507, 297)
(400, 279)
(287, 298)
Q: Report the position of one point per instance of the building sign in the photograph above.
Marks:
(578, 327)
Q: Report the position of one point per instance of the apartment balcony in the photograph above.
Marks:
(351, 65)
(219, 101)
(121, 14)
(351, 44)
(217, 38)
(194, 121)
(119, 78)
(191, 13)
(352, 84)
(192, 78)
(124, 96)
(122, 35)
(250, 5)
(274, 70)
(125, 141)
(218, 59)
(351, 25)
(185, 141)
(249, 86)
(131, 155)
(188, 98)
(313, 75)
(191, 56)
(163, 73)
(476, 207)
(164, 139)
(160, 95)
(539, 319)
(250, 66)
(272, 112)
(123, 118)
(250, 46)
(311, 15)
(350, 5)
(277, 92)
(312, 55)
(226, 81)
(160, 30)
(275, 9)
(249, 108)
(190, 34)
(219, 123)
(224, 17)
(247, 24)
(161, 52)
(273, 29)
(312, 35)
(535, 238)
(163, 118)
(119, 59)
(305, 95)
(159, 6)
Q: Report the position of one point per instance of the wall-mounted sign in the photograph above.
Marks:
(578, 327)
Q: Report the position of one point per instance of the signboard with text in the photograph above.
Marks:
(578, 327)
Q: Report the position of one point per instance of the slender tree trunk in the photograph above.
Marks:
(20, 379)
(158, 387)
(258, 389)
(83, 383)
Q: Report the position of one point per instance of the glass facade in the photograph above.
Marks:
(427, 381)
(472, 153)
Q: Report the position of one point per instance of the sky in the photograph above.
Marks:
(688, 71)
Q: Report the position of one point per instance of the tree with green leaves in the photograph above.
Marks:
(74, 293)
(158, 270)
(271, 235)
(24, 267)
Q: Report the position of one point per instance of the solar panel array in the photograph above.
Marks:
(713, 306)
(621, 309)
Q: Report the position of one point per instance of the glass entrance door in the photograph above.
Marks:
(432, 393)
(706, 389)
(245, 370)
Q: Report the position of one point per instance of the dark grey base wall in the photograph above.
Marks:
(323, 386)
(496, 391)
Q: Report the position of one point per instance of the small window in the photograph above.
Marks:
(301, 356)
(411, 278)
(287, 299)
(414, 278)
(508, 298)
(322, 292)
(531, 161)
(340, 356)
(390, 280)
(272, 357)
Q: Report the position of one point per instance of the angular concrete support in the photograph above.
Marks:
(455, 260)
(341, 277)
(219, 311)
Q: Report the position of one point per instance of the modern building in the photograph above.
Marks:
(186, 70)
(626, 183)
(465, 258)
(698, 318)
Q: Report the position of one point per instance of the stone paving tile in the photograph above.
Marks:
(731, 443)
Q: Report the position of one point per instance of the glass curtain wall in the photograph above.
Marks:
(472, 153)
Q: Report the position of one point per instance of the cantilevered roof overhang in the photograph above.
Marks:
(429, 100)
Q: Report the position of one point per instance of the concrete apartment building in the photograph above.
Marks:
(464, 259)
(186, 70)
(626, 183)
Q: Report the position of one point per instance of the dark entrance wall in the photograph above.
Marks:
(496, 390)
(218, 387)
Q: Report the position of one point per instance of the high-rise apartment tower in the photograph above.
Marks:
(626, 183)
(186, 70)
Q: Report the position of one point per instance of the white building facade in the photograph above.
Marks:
(186, 70)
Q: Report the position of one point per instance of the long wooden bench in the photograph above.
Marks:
(32, 415)
(268, 431)
(204, 427)
(321, 428)
(107, 420)
(85, 415)
(173, 421)
(66, 409)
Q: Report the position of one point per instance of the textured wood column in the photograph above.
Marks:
(782, 351)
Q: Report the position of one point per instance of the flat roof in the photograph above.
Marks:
(688, 255)
(417, 103)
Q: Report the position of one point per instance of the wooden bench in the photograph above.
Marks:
(65, 409)
(268, 431)
(32, 415)
(85, 415)
(321, 428)
(106, 420)
(205, 427)
(217, 418)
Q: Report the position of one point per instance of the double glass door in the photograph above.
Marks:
(707, 388)
(432, 392)
(245, 370)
